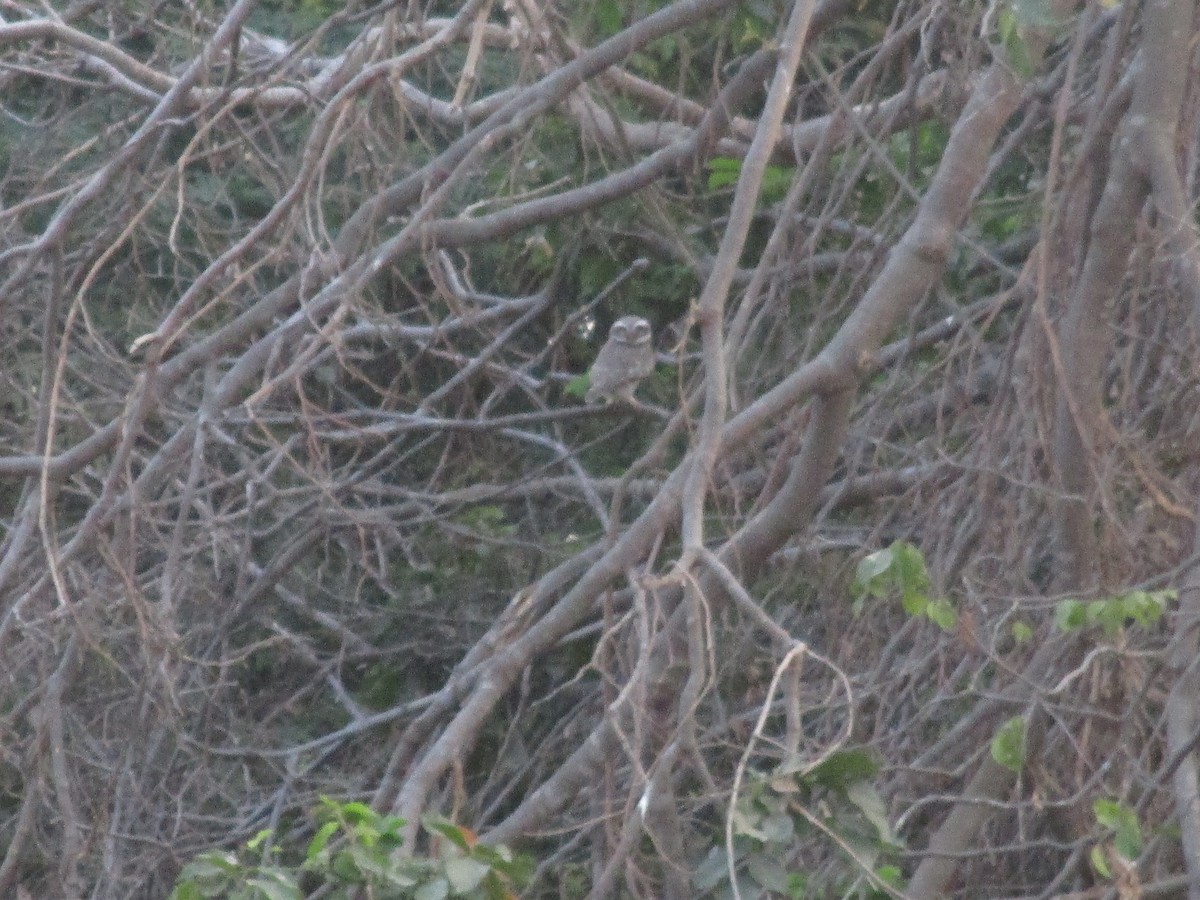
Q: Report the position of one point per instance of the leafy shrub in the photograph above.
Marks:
(354, 849)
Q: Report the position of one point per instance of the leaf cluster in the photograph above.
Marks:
(357, 848)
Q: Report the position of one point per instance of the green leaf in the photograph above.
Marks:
(867, 799)
(723, 171)
(1147, 607)
(1037, 14)
(1108, 614)
(942, 614)
(863, 847)
(767, 871)
(224, 859)
(778, 828)
(910, 568)
(608, 16)
(776, 181)
(496, 857)
(465, 874)
(578, 386)
(274, 889)
(901, 566)
(843, 769)
(460, 837)
(1008, 746)
(391, 826)
(1099, 863)
(356, 813)
(1013, 22)
(366, 836)
(258, 840)
(725, 164)
(915, 604)
(370, 862)
(1069, 615)
(1006, 22)
(406, 873)
(873, 565)
(595, 272)
(1021, 632)
(748, 888)
(1128, 842)
(1019, 56)
(1123, 820)
(438, 889)
(712, 869)
(214, 864)
(345, 866)
(320, 839)
(890, 875)
(747, 823)
(1112, 614)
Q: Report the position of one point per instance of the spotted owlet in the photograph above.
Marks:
(625, 359)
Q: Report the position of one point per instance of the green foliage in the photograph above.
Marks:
(538, 253)
(920, 149)
(489, 520)
(1012, 39)
(660, 57)
(578, 386)
(1142, 608)
(383, 685)
(914, 154)
(356, 849)
(770, 827)
(607, 17)
(1127, 833)
(842, 769)
(1017, 21)
(724, 171)
(220, 873)
(1008, 744)
(1004, 216)
(900, 569)
(596, 272)
(754, 24)
(294, 17)
(1124, 822)
(849, 38)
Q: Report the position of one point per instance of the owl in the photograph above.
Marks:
(625, 359)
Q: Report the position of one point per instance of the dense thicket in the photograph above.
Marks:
(887, 584)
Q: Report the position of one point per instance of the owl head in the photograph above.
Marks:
(632, 330)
